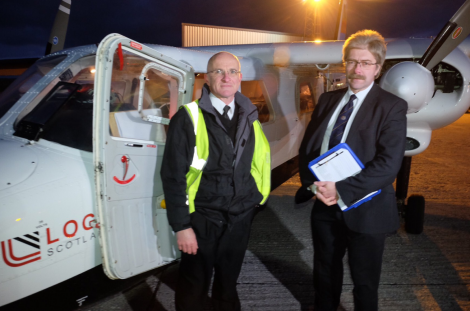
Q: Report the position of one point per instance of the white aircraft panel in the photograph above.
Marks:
(129, 151)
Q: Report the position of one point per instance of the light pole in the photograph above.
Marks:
(312, 28)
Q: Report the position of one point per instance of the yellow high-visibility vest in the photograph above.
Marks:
(260, 165)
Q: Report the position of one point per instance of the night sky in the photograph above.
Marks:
(25, 25)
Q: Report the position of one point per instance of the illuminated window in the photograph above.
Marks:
(254, 91)
(198, 84)
(306, 99)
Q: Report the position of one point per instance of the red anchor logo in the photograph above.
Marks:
(125, 161)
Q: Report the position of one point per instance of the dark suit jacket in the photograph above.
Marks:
(377, 136)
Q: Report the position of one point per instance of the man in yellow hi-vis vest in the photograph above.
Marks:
(216, 171)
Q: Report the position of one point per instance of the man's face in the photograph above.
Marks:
(360, 77)
(225, 85)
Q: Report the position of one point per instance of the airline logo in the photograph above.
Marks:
(26, 249)
(21, 250)
(125, 160)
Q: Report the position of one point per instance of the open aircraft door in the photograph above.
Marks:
(137, 91)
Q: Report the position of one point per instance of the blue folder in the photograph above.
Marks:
(340, 150)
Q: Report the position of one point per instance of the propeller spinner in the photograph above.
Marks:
(413, 81)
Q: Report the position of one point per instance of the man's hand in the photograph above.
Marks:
(326, 192)
(187, 242)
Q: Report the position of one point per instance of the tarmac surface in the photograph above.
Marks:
(430, 271)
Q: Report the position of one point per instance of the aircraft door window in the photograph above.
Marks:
(306, 98)
(254, 91)
(158, 95)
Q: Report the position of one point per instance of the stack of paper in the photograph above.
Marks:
(337, 164)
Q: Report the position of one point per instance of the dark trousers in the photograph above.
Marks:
(221, 250)
(331, 239)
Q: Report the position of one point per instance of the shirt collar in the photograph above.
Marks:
(361, 95)
(219, 105)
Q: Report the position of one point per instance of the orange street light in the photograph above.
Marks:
(312, 19)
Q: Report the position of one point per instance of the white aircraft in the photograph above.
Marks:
(82, 135)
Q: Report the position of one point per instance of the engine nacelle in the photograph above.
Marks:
(410, 81)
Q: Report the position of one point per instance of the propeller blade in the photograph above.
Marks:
(453, 33)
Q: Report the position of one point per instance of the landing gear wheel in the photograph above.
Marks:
(414, 214)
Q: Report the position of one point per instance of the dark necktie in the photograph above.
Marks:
(225, 114)
(341, 122)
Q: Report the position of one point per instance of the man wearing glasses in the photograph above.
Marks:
(373, 123)
(211, 210)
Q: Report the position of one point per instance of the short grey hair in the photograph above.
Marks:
(367, 39)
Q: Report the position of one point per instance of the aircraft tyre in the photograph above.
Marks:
(414, 214)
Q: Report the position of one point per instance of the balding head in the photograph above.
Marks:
(210, 63)
(223, 76)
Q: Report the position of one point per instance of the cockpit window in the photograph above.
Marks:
(72, 125)
(23, 83)
(65, 113)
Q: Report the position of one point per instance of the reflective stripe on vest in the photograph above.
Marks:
(201, 153)
(260, 165)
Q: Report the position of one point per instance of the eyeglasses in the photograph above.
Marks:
(232, 73)
(362, 64)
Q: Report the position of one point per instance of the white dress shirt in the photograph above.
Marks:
(219, 105)
(360, 96)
